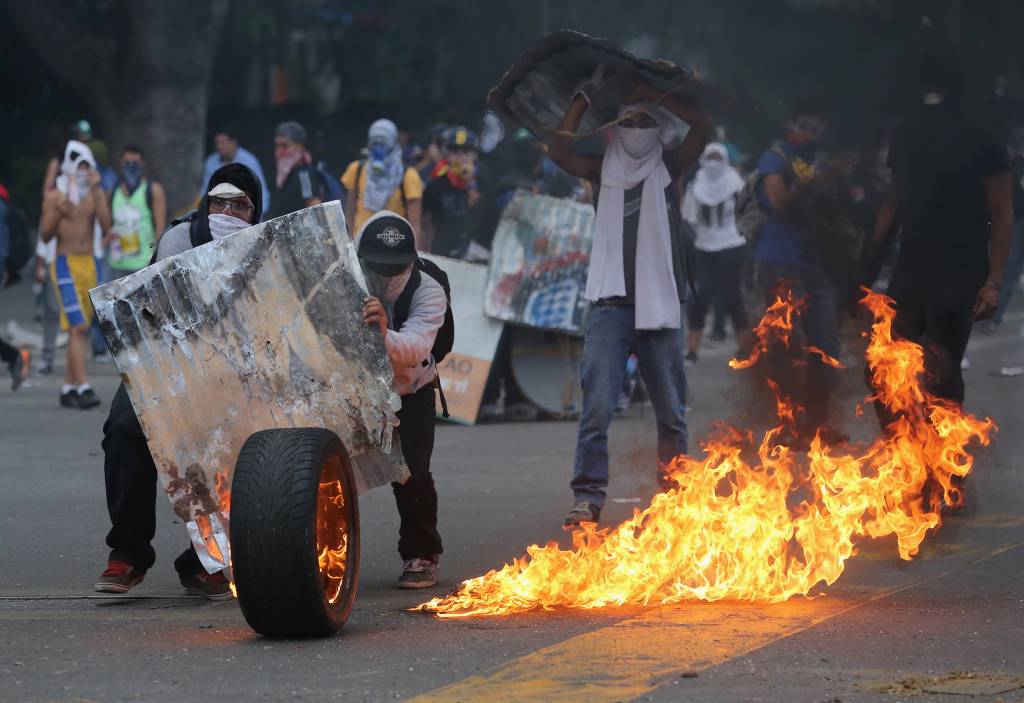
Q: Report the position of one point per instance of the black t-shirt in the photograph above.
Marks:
(304, 183)
(942, 158)
(631, 225)
(448, 208)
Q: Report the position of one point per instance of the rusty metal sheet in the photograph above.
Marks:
(537, 88)
(262, 329)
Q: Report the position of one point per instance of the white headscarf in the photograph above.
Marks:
(384, 175)
(633, 157)
(74, 154)
(716, 180)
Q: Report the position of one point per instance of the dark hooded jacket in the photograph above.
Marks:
(237, 175)
(198, 220)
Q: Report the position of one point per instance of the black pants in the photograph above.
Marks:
(501, 374)
(8, 354)
(417, 498)
(941, 324)
(719, 277)
(130, 476)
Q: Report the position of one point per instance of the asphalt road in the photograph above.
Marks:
(948, 624)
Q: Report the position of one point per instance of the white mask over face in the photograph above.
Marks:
(222, 225)
(638, 141)
(714, 169)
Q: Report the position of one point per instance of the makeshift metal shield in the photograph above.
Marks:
(260, 330)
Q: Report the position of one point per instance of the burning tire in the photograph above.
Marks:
(294, 532)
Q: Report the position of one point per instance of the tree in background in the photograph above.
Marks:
(142, 68)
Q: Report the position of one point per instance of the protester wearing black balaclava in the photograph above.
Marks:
(951, 194)
(233, 194)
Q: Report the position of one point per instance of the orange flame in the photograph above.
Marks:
(332, 537)
(765, 531)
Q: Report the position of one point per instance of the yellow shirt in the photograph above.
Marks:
(412, 185)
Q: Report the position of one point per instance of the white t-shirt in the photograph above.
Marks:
(714, 225)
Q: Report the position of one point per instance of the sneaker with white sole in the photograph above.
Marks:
(418, 573)
(119, 577)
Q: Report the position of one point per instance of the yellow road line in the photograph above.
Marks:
(633, 657)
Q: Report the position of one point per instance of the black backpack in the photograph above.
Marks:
(22, 245)
(446, 335)
(445, 338)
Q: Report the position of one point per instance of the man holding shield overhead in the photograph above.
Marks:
(637, 278)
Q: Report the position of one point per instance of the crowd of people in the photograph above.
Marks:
(683, 231)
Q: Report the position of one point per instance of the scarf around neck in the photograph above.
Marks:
(656, 294)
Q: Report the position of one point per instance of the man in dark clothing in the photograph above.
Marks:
(452, 192)
(297, 184)
(788, 257)
(951, 193)
(408, 307)
(233, 201)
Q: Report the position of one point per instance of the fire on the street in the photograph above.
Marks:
(762, 531)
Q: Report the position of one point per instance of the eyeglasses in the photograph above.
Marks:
(239, 206)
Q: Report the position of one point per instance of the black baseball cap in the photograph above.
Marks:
(386, 238)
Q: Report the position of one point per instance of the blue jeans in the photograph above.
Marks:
(610, 335)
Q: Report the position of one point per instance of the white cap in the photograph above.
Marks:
(226, 190)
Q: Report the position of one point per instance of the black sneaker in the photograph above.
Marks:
(87, 399)
(418, 573)
(210, 586)
(70, 399)
(119, 577)
(582, 512)
(17, 371)
(690, 359)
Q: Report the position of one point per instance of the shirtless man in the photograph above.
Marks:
(70, 213)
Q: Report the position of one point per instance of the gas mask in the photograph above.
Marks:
(378, 157)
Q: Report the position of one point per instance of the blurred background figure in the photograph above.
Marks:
(297, 183)
(382, 181)
(227, 150)
(709, 207)
(139, 211)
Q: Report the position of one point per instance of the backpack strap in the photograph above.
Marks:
(440, 394)
(405, 202)
(359, 177)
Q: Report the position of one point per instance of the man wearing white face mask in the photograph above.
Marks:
(709, 206)
(410, 308)
(233, 201)
(637, 279)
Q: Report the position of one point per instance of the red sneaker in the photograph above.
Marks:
(120, 577)
(211, 586)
